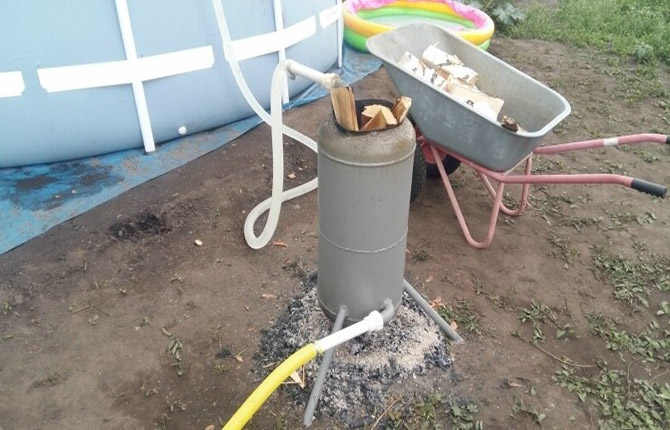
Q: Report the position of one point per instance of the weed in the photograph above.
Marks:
(548, 165)
(520, 406)
(295, 268)
(510, 201)
(420, 255)
(174, 350)
(647, 345)
(647, 156)
(536, 314)
(620, 220)
(548, 207)
(622, 403)
(48, 380)
(631, 280)
(463, 417)
(614, 167)
(562, 249)
(579, 223)
(7, 306)
(421, 413)
(462, 313)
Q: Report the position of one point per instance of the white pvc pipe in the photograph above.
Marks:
(273, 204)
(138, 87)
(373, 322)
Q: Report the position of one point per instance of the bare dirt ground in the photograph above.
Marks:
(89, 307)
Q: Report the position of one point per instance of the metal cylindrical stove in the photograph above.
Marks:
(364, 189)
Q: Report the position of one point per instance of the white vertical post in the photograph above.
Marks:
(138, 87)
(279, 28)
(340, 33)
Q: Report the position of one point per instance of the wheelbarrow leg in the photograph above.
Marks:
(523, 201)
(459, 215)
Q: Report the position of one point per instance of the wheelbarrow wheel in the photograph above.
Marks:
(418, 174)
(450, 164)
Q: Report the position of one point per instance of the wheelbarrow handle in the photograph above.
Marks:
(649, 188)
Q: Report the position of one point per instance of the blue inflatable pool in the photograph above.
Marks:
(81, 78)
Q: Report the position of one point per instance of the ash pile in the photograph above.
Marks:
(363, 370)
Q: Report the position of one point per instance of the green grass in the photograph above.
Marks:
(633, 29)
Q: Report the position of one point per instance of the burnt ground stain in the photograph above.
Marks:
(46, 187)
(143, 224)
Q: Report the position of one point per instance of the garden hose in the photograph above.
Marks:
(373, 322)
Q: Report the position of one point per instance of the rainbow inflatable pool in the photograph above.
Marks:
(365, 18)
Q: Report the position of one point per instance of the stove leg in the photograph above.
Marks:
(323, 371)
(423, 304)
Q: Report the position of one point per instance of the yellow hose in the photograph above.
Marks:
(269, 385)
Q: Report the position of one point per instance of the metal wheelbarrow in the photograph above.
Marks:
(450, 132)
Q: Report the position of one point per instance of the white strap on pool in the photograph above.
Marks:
(95, 75)
(135, 71)
(11, 84)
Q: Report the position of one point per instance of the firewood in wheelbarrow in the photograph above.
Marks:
(481, 102)
(411, 63)
(448, 65)
(420, 69)
(436, 57)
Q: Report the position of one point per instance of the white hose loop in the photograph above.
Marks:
(273, 204)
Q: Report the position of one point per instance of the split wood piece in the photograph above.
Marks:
(411, 63)
(344, 107)
(380, 118)
(368, 113)
(436, 57)
(448, 65)
(401, 107)
(422, 70)
(481, 102)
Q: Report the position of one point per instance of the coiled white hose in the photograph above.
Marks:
(273, 204)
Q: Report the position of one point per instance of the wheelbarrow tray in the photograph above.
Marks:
(454, 125)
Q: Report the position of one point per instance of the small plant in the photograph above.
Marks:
(463, 417)
(562, 249)
(536, 314)
(520, 406)
(648, 345)
(420, 256)
(622, 403)
(462, 313)
(647, 156)
(504, 13)
(421, 413)
(632, 280)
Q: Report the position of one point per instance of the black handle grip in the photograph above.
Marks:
(649, 188)
(667, 139)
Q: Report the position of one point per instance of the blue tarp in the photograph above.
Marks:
(36, 198)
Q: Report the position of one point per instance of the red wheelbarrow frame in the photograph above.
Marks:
(434, 153)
